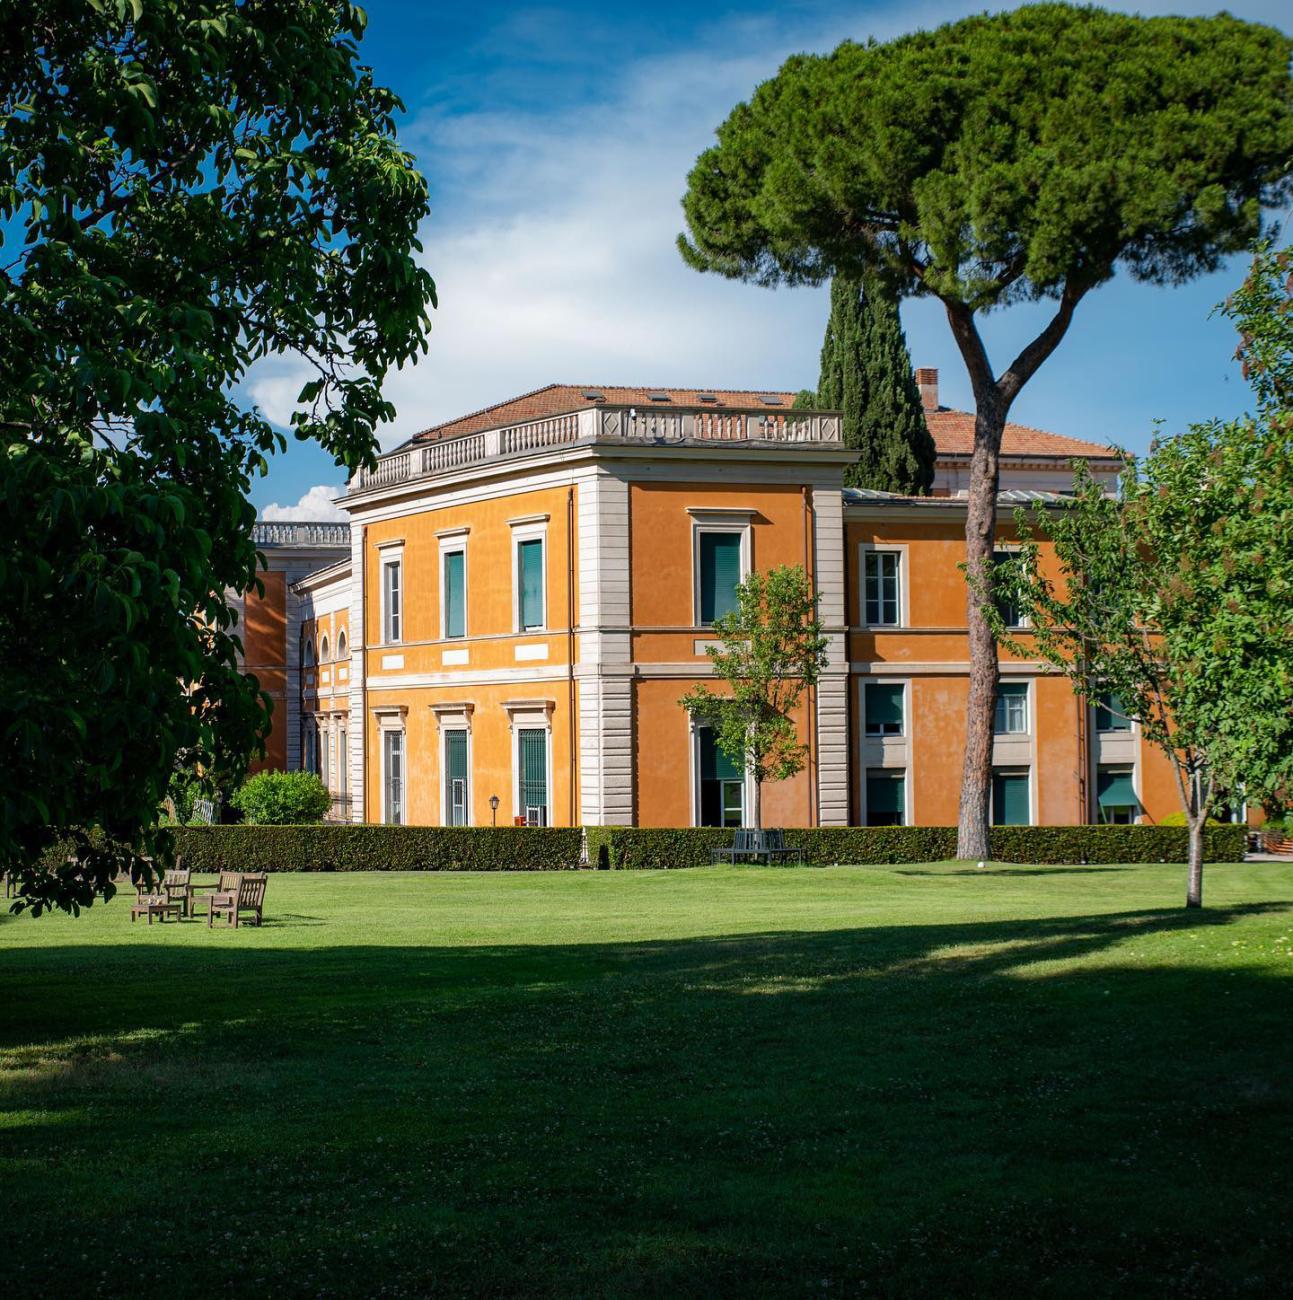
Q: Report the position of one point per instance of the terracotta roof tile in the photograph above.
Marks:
(953, 431)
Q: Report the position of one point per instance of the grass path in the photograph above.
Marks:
(857, 1081)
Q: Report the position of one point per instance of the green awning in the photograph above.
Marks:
(1115, 790)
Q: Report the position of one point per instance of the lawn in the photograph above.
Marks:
(878, 1081)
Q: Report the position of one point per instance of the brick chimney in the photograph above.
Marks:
(927, 382)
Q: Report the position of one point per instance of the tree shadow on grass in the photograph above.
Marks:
(1013, 871)
(961, 1109)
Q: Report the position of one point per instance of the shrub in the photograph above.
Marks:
(345, 847)
(283, 799)
(1178, 819)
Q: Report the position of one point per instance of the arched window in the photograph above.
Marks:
(341, 644)
(323, 649)
(307, 653)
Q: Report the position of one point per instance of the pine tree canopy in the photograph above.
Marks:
(1003, 157)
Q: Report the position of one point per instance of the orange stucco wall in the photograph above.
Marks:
(264, 640)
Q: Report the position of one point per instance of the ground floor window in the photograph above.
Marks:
(722, 786)
(886, 797)
(455, 778)
(532, 761)
(343, 755)
(1010, 797)
(1115, 796)
(325, 760)
(393, 777)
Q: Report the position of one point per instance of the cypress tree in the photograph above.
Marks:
(867, 375)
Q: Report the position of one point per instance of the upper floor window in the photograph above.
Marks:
(1111, 713)
(719, 571)
(881, 588)
(454, 593)
(883, 707)
(341, 644)
(1012, 709)
(323, 649)
(307, 653)
(1011, 613)
(392, 600)
(530, 595)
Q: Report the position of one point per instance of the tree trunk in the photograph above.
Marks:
(1194, 886)
(980, 534)
(756, 806)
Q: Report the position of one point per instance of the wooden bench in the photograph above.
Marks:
(249, 896)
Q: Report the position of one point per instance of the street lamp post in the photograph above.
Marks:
(493, 810)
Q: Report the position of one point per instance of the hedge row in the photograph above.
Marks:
(343, 847)
(625, 847)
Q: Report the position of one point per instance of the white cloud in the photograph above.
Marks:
(319, 504)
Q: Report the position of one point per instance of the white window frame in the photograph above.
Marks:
(528, 530)
(747, 784)
(530, 715)
(729, 522)
(391, 553)
(455, 716)
(905, 684)
(904, 613)
(905, 769)
(1027, 684)
(1030, 775)
(1010, 548)
(392, 719)
(452, 542)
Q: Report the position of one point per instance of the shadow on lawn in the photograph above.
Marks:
(901, 1110)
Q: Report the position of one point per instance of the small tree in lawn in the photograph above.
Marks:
(1000, 159)
(1177, 596)
(772, 651)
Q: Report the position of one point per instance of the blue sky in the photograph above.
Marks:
(557, 139)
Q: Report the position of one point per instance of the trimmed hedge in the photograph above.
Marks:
(341, 847)
(619, 847)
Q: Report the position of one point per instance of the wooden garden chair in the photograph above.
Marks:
(178, 887)
(249, 896)
(227, 883)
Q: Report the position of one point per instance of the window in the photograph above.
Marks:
(1010, 797)
(884, 708)
(529, 580)
(1011, 614)
(307, 654)
(886, 797)
(882, 595)
(455, 778)
(722, 786)
(455, 594)
(341, 644)
(532, 762)
(323, 649)
(719, 565)
(1111, 713)
(307, 746)
(1115, 796)
(392, 600)
(325, 759)
(343, 754)
(1012, 709)
(393, 777)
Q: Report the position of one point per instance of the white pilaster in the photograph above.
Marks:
(833, 685)
(356, 731)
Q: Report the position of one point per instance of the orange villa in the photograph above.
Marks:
(505, 626)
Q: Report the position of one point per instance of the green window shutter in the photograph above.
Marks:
(455, 769)
(533, 745)
(455, 594)
(1114, 789)
(714, 763)
(720, 574)
(884, 708)
(886, 793)
(1009, 799)
(531, 574)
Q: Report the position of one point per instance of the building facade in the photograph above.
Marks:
(503, 630)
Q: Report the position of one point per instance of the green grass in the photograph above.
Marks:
(877, 1081)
